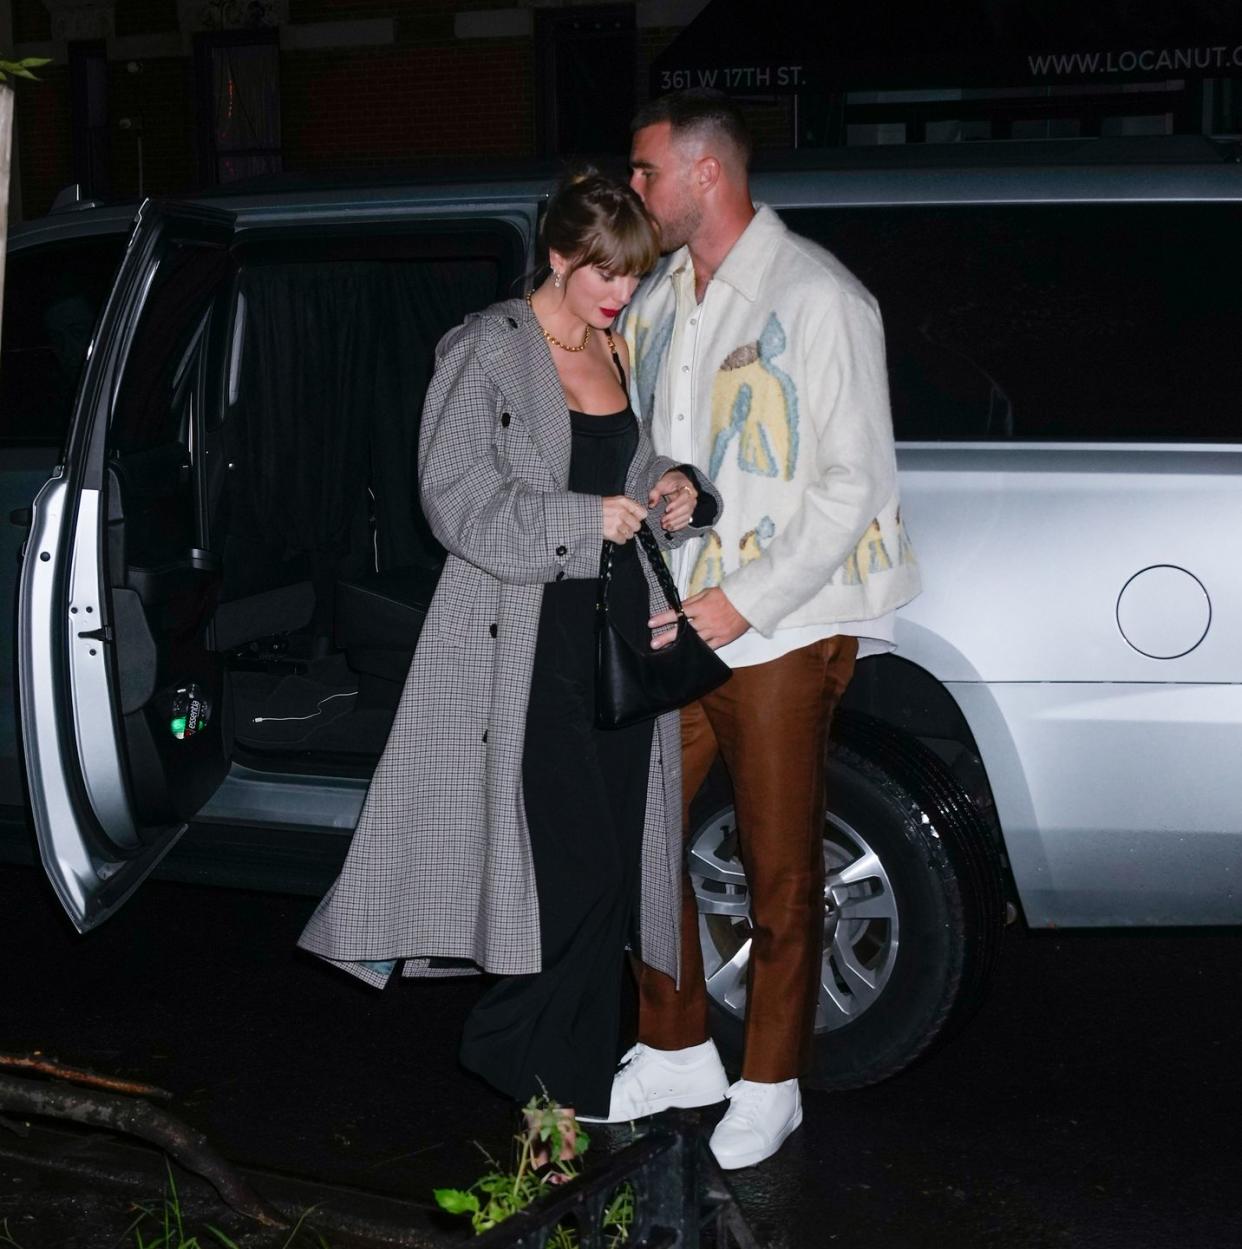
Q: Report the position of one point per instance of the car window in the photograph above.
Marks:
(52, 298)
(1052, 321)
(330, 353)
(152, 437)
(151, 401)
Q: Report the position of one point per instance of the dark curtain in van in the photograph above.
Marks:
(335, 362)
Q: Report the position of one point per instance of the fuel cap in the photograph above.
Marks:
(1164, 611)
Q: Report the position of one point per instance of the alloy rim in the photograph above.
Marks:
(862, 926)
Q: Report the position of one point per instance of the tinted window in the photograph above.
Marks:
(330, 351)
(151, 404)
(52, 298)
(1058, 321)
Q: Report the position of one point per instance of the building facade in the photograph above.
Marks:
(161, 96)
(164, 96)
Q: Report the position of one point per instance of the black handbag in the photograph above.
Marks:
(635, 683)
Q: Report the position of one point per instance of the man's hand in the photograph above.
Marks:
(713, 617)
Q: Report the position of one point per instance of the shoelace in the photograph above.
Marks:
(746, 1101)
(630, 1054)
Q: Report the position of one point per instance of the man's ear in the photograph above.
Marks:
(706, 173)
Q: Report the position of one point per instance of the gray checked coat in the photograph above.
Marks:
(439, 872)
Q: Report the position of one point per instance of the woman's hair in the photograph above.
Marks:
(593, 220)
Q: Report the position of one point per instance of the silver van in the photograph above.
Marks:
(224, 576)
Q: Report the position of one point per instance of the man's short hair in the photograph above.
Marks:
(698, 111)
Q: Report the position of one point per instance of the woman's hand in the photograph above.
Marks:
(680, 498)
(622, 517)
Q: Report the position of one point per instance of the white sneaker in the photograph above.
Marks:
(651, 1080)
(759, 1118)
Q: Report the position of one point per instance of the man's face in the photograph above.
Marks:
(662, 174)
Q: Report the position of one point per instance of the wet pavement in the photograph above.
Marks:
(1094, 1101)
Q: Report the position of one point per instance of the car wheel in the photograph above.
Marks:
(913, 908)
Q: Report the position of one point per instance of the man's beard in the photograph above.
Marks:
(679, 228)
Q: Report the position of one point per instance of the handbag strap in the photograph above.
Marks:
(616, 359)
(667, 585)
(646, 539)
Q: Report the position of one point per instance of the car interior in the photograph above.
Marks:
(277, 444)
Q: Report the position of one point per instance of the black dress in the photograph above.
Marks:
(586, 795)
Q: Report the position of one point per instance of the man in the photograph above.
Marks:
(759, 358)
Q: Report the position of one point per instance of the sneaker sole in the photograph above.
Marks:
(654, 1108)
(755, 1157)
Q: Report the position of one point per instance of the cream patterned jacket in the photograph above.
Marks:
(789, 416)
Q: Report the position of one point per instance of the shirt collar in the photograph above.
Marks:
(747, 260)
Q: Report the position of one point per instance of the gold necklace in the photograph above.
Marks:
(556, 342)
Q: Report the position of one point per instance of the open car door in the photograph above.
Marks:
(123, 733)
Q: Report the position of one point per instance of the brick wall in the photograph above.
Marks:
(387, 105)
(41, 110)
(428, 94)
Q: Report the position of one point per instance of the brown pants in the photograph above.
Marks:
(770, 723)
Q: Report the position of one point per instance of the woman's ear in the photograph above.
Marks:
(558, 263)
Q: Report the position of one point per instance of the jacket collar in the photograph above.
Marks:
(521, 364)
(746, 261)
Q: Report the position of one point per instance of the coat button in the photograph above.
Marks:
(505, 418)
(560, 576)
(561, 550)
(492, 630)
(485, 735)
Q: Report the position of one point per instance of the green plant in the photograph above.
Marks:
(22, 68)
(169, 1231)
(619, 1216)
(497, 1194)
(6, 1237)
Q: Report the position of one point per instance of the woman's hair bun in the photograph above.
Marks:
(592, 219)
(577, 175)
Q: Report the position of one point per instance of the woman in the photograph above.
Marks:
(502, 830)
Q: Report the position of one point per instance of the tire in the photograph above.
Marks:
(914, 908)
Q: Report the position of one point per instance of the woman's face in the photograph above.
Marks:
(595, 295)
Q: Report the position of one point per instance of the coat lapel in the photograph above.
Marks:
(523, 370)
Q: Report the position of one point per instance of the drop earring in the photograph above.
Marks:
(556, 279)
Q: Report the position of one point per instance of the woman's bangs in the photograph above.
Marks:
(627, 247)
